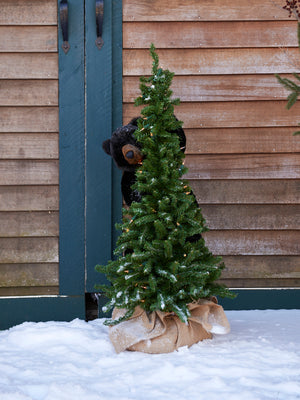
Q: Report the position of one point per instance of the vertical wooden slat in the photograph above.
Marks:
(99, 125)
(72, 158)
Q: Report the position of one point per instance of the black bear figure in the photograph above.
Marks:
(126, 153)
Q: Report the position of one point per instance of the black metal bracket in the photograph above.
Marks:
(99, 23)
(63, 16)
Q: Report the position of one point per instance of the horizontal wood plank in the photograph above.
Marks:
(261, 267)
(29, 146)
(243, 191)
(214, 61)
(29, 119)
(28, 65)
(27, 172)
(200, 34)
(28, 92)
(195, 10)
(28, 39)
(216, 88)
(29, 224)
(253, 242)
(28, 12)
(261, 283)
(243, 161)
(29, 291)
(32, 275)
(29, 198)
(243, 166)
(241, 140)
(29, 250)
(240, 114)
(252, 217)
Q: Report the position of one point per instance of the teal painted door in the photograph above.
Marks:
(90, 109)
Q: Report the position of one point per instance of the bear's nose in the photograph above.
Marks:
(132, 154)
(129, 154)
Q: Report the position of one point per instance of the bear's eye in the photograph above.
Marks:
(132, 154)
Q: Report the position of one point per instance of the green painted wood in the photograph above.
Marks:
(117, 106)
(103, 115)
(262, 299)
(72, 155)
(15, 311)
(98, 128)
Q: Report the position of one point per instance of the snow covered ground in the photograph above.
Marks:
(259, 359)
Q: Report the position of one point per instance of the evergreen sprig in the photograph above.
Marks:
(157, 267)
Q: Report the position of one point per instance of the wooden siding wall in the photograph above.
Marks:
(28, 147)
(244, 163)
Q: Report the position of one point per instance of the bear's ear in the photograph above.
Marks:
(134, 121)
(106, 146)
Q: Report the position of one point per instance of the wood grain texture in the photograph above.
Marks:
(240, 114)
(243, 166)
(214, 61)
(28, 12)
(241, 140)
(28, 92)
(243, 161)
(29, 65)
(197, 88)
(29, 291)
(195, 10)
(28, 39)
(29, 250)
(242, 191)
(29, 198)
(29, 119)
(261, 267)
(269, 283)
(225, 34)
(29, 192)
(29, 224)
(252, 217)
(20, 275)
(253, 242)
(28, 172)
(29, 146)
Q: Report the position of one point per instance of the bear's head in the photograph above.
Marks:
(125, 150)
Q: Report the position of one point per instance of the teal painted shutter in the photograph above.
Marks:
(90, 108)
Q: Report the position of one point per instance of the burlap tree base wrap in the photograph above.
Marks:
(163, 332)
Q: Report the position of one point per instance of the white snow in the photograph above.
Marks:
(218, 329)
(259, 359)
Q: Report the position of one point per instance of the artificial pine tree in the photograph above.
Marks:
(158, 267)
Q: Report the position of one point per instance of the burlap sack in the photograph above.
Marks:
(163, 332)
